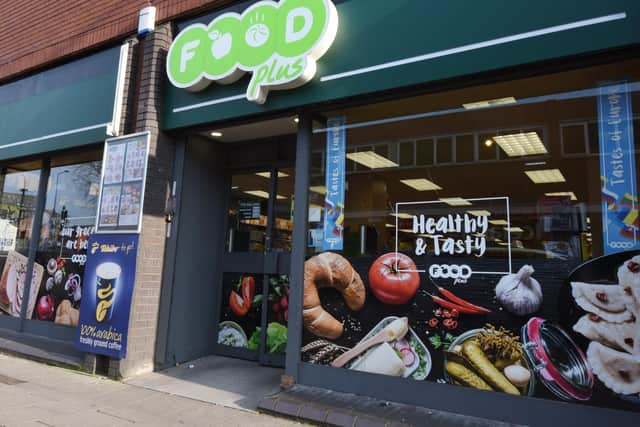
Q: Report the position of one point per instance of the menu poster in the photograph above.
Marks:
(109, 205)
(114, 162)
(136, 160)
(123, 181)
(130, 204)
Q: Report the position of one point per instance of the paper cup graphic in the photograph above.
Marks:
(107, 276)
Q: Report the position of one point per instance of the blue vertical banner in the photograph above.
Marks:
(106, 301)
(334, 181)
(620, 222)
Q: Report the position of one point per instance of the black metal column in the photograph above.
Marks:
(299, 244)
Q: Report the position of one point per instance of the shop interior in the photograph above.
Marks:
(533, 140)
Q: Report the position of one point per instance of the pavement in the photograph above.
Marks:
(234, 383)
(36, 394)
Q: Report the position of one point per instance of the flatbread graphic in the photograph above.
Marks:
(607, 301)
(629, 273)
(618, 371)
(623, 336)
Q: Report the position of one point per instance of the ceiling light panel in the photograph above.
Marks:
(489, 103)
(545, 176)
(268, 174)
(402, 215)
(371, 160)
(570, 194)
(498, 222)
(521, 144)
(480, 212)
(421, 184)
(455, 201)
(318, 189)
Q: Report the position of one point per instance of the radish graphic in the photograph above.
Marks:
(221, 45)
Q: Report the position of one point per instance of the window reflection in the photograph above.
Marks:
(17, 208)
(67, 221)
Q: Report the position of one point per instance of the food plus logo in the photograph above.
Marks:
(279, 43)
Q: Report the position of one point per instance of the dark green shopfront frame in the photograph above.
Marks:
(64, 107)
(68, 106)
(387, 46)
(383, 45)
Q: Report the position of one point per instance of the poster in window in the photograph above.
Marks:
(620, 218)
(457, 305)
(135, 160)
(109, 205)
(130, 204)
(114, 164)
(121, 193)
(13, 281)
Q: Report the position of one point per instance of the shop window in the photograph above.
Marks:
(350, 165)
(490, 252)
(593, 138)
(19, 184)
(487, 147)
(67, 221)
(444, 150)
(573, 139)
(283, 211)
(424, 152)
(317, 163)
(465, 148)
(247, 217)
(406, 153)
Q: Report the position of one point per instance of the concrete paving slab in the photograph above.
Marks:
(58, 397)
(224, 381)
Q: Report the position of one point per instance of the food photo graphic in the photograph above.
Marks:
(544, 330)
(12, 284)
(240, 318)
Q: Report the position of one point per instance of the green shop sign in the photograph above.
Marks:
(279, 43)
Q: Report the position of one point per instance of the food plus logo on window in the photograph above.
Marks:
(456, 229)
(279, 43)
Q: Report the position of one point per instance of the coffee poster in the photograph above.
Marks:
(109, 277)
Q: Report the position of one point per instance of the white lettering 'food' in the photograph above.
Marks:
(291, 34)
(187, 54)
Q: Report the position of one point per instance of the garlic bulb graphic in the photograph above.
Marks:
(520, 293)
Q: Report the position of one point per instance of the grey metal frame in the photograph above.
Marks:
(168, 271)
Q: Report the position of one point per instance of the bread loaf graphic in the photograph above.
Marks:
(329, 270)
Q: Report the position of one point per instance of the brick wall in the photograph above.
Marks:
(35, 33)
(146, 295)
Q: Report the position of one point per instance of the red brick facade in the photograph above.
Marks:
(36, 33)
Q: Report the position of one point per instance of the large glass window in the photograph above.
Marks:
(19, 185)
(473, 230)
(67, 221)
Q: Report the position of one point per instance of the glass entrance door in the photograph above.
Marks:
(254, 294)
